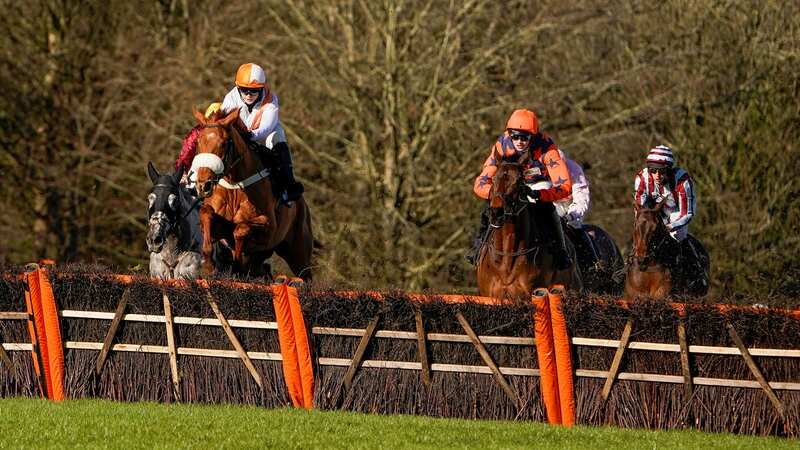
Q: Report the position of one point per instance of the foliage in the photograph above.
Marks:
(391, 106)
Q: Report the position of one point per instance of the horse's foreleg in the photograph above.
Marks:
(206, 223)
(240, 234)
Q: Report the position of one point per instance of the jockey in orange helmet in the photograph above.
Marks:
(258, 110)
(522, 136)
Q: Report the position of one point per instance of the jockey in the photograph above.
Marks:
(522, 135)
(258, 110)
(572, 209)
(661, 181)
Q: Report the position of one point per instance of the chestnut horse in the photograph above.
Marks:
(239, 203)
(515, 261)
(653, 269)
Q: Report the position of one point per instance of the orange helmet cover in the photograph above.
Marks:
(523, 120)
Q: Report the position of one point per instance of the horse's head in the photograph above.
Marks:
(217, 149)
(646, 225)
(164, 207)
(504, 197)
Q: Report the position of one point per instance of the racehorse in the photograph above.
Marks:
(653, 268)
(515, 260)
(240, 203)
(173, 232)
(602, 267)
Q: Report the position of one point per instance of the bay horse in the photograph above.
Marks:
(240, 203)
(653, 269)
(173, 228)
(514, 260)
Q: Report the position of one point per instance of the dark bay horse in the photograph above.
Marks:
(602, 268)
(240, 204)
(173, 228)
(654, 268)
(515, 261)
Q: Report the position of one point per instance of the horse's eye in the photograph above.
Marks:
(171, 201)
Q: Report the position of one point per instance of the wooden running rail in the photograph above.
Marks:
(612, 372)
(358, 356)
(422, 347)
(501, 380)
(234, 340)
(173, 357)
(112, 331)
(751, 364)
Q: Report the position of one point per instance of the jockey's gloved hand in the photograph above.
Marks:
(528, 193)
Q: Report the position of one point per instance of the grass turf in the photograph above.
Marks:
(27, 423)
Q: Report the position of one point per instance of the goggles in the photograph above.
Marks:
(661, 170)
(249, 91)
(517, 136)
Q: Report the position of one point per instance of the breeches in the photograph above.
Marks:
(679, 234)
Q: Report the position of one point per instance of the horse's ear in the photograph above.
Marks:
(177, 175)
(230, 118)
(152, 172)
(201, 119)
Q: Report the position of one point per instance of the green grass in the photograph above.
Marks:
(26, 423)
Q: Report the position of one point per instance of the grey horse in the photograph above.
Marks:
(174, 236)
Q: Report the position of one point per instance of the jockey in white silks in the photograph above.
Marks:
(573, 209)
(258, 110)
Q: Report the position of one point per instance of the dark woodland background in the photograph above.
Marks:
(390, 108)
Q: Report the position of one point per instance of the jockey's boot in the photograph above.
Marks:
(591, 249)
(477, 241)
(692, 263)
(584, 252)
(556, 241)
(293, 188)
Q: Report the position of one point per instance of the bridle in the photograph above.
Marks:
(227, 150)
(512, 207)
(227, 163)
(653, 244)
(512, 204)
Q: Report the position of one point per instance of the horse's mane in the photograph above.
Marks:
(218, 116)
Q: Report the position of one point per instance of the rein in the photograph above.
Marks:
(649, 260)
(494, 226)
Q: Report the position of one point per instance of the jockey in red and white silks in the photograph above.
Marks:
(573, 208)
(663, 182)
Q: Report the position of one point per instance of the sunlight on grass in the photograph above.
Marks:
(98, 423)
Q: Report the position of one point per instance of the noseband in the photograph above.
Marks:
(228, 155)
(652, 247)
(512, 206)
